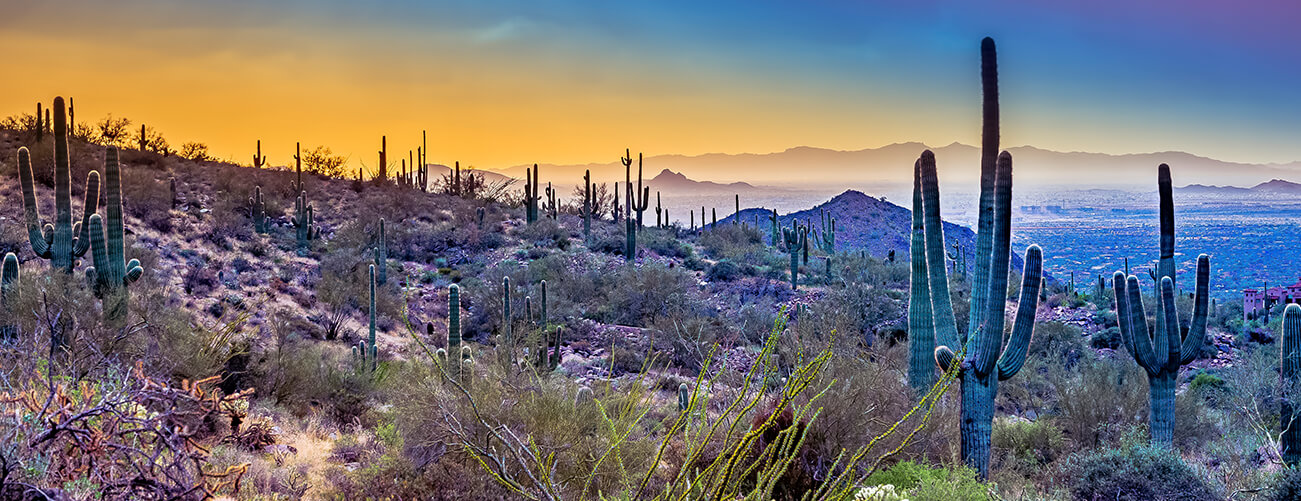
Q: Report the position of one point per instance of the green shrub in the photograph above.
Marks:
(723, 271)
(1107, 338)
(905, 475)
(1027, 443)
(1134, 472)
(1285, 487)
(1206, 381)
(927, 483)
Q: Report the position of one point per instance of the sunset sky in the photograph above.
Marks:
(504, 83)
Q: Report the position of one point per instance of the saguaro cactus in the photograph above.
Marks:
(587, 205)
(507, 319)
(827, 239)
(257, 210)
(921, 328)
(111, 274)
(374, 348)
(7, 278)
(795, 237)
(986, 359)
(381, 177)
(299, 187)
(61, 242)
(38, 124)
(258, 159)
(684, 397)
(637, 201)
(454, 321)
(1161, 355)
(304, 223)
(381, 254)
(531, 194)
(1290, 372)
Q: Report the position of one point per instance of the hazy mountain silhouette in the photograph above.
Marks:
(802, 165)
(1271, 187)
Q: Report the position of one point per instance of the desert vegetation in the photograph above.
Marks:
(198, 329)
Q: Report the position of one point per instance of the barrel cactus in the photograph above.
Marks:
(111, 274)
(62, 241)
(1161, 353)
(1290, 371)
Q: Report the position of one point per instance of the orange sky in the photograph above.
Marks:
(506, 86)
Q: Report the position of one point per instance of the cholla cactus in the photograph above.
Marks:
(62, 241)
(111, 274)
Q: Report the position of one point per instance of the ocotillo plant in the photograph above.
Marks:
(986, 360)
(7, 278)
(381, 254)
(257, 211)
(1289, 362)
(62, 242)
(921, 327)
(258, 159)
(1161, 355)
(111, 274)
(374, 348)
(587, 205)
(304, 223)
(531, 194)
(794, 237)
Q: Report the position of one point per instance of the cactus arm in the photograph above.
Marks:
(91, 205)
(944, 358)
(32, 210)
(1192, 344)
(985, 349)
(133, 271)
(96, 274)
(1144, 353)
(1167, 341)
(1122, 311)
(1013, 358)
(946, 327)
(989, 154)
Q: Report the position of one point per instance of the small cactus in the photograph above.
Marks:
(257, 210)
(684, 397)
(62, 241)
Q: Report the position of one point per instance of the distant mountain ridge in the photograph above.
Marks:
(810, 166)
(1273, 186)
(867, 223)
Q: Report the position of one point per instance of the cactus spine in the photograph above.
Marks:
(7, 278)
(986, 360)
(1161, 354)
(257, 211)
(381, 255)
(637, 201)
(304, 223)
(111, 274)
(61, 242)
(1290, 372)
(921, 327)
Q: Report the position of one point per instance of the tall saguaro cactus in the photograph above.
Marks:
(1161, 354)
(381, 254)
(304, 223)
(1290, 372)
(61, 242)
(587, 205)
(454, 325)
(921, 328)
(637, 201)
(258, 159)
(986, 359)
(795, 238)
(531, 197)
(374, 348)
(111, 274)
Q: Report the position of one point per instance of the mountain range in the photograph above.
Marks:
(808, 166)
(1272, 187)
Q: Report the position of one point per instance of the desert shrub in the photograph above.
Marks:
(723, 271)
(664, 243)
(147, 198)
(735, 243)
(1286, 486)
(545, 232)
(1028, 444)
(1134, 472)
(1057, 341)
(930, 483)
(1206, 381)
(1106, 338)
(640, 293)
(1106, 398)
